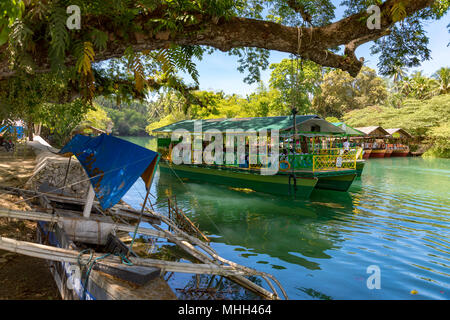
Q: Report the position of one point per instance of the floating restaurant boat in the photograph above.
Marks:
(400, 136)
(374, 140)
(82, 238)
(378, 153)
(381, 143)
(389, 150)
(305, 159)
(367, 153)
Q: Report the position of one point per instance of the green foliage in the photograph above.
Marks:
(252, 60)
(61, 119)
(42, 26)
(297, 81)
(97, 117)
(332, 119)
(264, 103)
(421, 87)
(99, 39)
(10, 10)
(128, 119)
(441, 141)
(168, 108)
(442, 77)
(22, 96)
(406, 45)
(341, 93)
(319, 12)
(429, 119)
(59, 37)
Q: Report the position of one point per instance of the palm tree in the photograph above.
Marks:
(398, 73)
(442, 77)
(422, 86)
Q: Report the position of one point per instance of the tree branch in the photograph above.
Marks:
(238, 32)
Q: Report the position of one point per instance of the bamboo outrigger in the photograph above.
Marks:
(82, 238)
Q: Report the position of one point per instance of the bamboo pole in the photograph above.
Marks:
(218, 259)
(116, 210)
(66, 255)
(181, 241)
(47, 217)
(89, 202)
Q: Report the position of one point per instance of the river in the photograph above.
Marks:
(387, 238)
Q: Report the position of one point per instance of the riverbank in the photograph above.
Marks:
(21, 277)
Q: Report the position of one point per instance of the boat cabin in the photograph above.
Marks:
(284, 147)
(398, 142)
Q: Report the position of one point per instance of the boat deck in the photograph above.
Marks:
(300, 172)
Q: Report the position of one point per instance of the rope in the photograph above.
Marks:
(89, 264)
(210, 219)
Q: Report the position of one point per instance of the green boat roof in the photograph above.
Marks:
(349, 131)
(281, 123)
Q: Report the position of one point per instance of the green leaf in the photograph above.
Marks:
(4, 34)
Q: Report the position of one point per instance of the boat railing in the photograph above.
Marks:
(334, 162)
(321, 160)
(325, 162)
(357, 151)
(401, 147)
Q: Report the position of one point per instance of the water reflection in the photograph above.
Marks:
(397, 216)
(287, 229)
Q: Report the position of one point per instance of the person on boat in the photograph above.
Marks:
(346, 146)
(243, 161)
(304, 145)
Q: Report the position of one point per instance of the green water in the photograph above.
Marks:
(396, 217)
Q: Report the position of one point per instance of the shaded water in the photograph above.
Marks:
(396, 217)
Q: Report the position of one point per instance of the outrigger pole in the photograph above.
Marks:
(294, 144)
(139, 221)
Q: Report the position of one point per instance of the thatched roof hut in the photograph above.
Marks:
(399, 133)
(374, 131)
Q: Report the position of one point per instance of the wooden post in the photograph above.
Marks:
(65, 178)
(89, 202)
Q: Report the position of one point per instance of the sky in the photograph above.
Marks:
(218, 71)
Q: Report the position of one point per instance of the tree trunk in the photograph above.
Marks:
(30, 127)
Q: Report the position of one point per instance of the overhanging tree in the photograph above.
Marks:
(146, 42)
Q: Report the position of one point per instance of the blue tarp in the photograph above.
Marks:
(113, 165)
(19, 131)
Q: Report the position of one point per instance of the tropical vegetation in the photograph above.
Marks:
(125, 57)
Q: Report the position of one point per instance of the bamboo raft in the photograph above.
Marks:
(66, 237)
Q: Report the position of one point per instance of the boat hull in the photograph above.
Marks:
(360, 167)
(273, 184)
(377, 153)
(388, 153)
(367, 153)
(399, 153)
(336, 181)
(70, 279)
